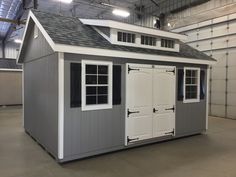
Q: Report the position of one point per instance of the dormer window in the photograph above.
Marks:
(148, 40)
(167, 43)
(126, 37)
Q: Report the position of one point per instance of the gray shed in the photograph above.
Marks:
(94, 86)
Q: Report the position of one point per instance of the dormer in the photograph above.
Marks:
(136, 36)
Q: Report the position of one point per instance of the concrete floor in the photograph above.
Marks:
(208, 155)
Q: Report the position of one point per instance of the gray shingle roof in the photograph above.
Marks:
(71, 31)
(6, 63)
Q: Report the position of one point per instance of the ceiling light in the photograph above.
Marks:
(121, 13)
(18, 41)
(66, 1)
(169, 25)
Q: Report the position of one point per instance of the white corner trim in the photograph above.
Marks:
(198, 86)
(60, 105)
(133, 28)
(13, 70)
(207, 96)
(23, 97)
(41, 29)
(124, 54)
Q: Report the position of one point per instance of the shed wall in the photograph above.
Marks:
(92, 132)
(41, 92)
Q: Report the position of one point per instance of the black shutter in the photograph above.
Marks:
(202, 85)
(116, 85)
(180, 84)
(75, 85)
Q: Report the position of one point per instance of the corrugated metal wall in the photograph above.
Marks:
(217, 37)
(1, 49)
(11, 49)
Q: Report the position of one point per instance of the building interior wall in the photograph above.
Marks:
(217, 38)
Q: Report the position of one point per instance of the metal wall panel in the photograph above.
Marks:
(231, 112)
(218, 98)
(192, 35)
(204, 45)
(204, 33)
(217, 110)
(219, 30)
(218, 73)
(232, 72)
(231, 57)
(219, 43)
(218, 86)
(231, 98)
(11, 49)
(232, 27)
(232, 41)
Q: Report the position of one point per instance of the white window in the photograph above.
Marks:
(36, 31)
(96, 85)
(148, 40)
(126, 37)
(191, 85)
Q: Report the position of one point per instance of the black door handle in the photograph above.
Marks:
(134, 112)
(155, 110)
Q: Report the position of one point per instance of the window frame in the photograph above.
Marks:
(109, 105)
(194, 100)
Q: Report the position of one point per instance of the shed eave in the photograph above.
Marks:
(131, 55)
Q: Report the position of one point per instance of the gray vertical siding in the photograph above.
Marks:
(41, 91)
(93, 132)
(41, 101)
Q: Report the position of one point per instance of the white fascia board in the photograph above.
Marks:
(42, 30)
(124, 54)
(133, 28)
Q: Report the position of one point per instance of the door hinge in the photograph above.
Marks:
(131, 139)
(171, 71)
(155, 110)
(129, 112)
(173, 109)
(172, 132)
(130, 69)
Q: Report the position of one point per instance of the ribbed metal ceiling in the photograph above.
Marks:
(8, 9)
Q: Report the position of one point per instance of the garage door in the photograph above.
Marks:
(150, 102)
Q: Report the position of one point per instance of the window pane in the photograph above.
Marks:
(188, 80)
(102, 99)
(91, 69)
(188, 73)
(91, 79)
(119, 36)
(124, 37)
(102, 69)
(129, 37)
(91, 100)
(102, 80)
(103, 90)
(142, 39)
(133, 38)
(91, 90)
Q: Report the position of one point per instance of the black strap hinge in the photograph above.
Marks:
(129, 112)
(131, 139)
(130, 69)
(171, 71)
(155, 110)
(173, 109)
(172, 132)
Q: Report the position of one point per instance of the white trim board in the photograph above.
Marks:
(60, 105)
(133, 28)
(123, 54)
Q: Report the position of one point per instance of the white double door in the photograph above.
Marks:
(150, 102)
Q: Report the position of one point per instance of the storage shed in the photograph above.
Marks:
(10, 82)
(93, 86)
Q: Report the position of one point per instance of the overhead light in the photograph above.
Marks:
(121, 13)
(66, 1)
(18, 41)
(169, 25)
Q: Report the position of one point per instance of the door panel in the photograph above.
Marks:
(138, 102)
(163, 100)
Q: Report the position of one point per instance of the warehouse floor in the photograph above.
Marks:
(208, 155)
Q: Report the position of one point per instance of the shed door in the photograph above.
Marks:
(163, 101)
(138, 102)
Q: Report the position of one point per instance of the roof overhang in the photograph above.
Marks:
(133, 28)
(130, 55)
